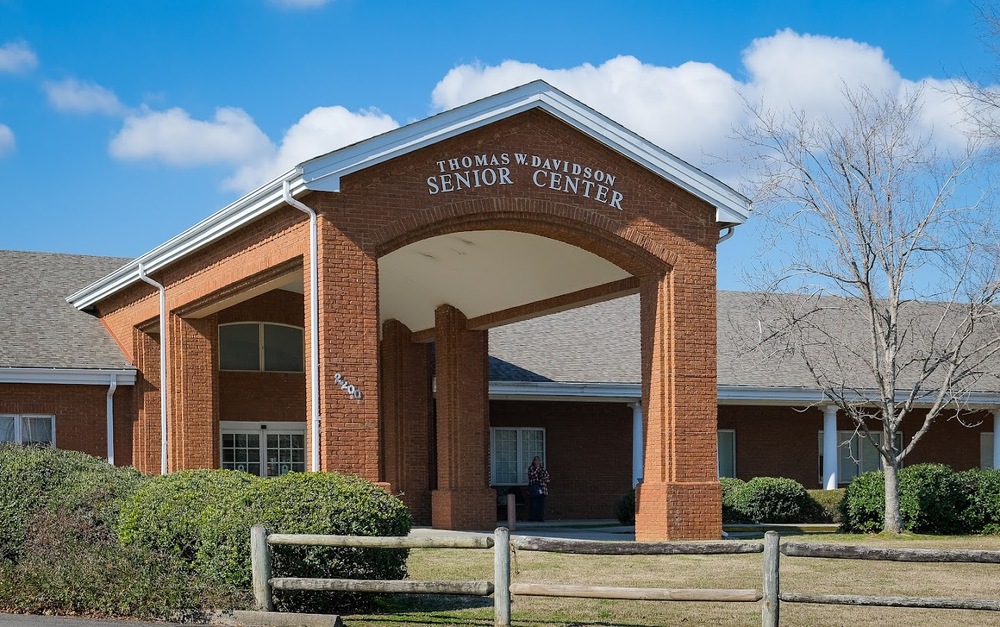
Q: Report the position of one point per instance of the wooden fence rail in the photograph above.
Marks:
(770, 596)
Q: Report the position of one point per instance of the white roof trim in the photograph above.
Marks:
(68, 376)
(221, 223)
(728, 394)
(324, 173)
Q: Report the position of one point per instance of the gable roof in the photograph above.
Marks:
(42, 332)
(324, 173)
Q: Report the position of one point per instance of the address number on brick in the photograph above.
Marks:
(346, 386)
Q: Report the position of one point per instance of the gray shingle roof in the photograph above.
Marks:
(600, 344)
(40, 329)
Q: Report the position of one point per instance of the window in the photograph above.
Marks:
(511, 452)
(261, 346)
(856, 455)
(986, 450)
(264, 449)
(28, 429)
(727, 452)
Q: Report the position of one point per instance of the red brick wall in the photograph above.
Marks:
(81, 415)
(589, 452)
(784, 441)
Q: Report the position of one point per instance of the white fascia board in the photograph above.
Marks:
(217, 225)
(799, 397)
(555, 391)
(68, 376)
(324, 173)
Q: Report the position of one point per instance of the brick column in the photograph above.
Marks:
(348, 346)
(406, 418)
(463, 499)
(679, 497)
(193, 386)
(146, 399)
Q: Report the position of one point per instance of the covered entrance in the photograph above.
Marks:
(414, 244)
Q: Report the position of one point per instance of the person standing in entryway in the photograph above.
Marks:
(538, 490)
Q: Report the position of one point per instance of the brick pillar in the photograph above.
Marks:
(193, 385)
(679, 497)
(463, 499)
(406, 418)
(146, 399)
(348, 340)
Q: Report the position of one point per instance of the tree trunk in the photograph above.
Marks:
(893, 520)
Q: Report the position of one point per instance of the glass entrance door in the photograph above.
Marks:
(263, 449)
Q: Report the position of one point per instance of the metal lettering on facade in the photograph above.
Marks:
(495, 169)
(352, 391)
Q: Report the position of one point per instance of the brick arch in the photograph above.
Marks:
(627, 247)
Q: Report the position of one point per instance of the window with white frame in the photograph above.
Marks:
(511, 452)
(856, 454)
(28, 429)
(986, 450)
(727, 452)
(265, 449)
(261, 346)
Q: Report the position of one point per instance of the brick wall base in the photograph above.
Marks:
(468, 509)
(678, 511)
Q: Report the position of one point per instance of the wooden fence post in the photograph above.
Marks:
(501, 576)
(511, 512)
(770, 604)
(260, 563)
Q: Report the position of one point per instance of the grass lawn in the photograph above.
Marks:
(827, 576)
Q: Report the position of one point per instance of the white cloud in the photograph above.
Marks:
(75, 96)
(318, 132)
(17, 57)
(692, 109)
(300, 4)
(7, 143)
(173, 137)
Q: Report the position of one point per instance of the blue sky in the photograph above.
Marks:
(123, 123)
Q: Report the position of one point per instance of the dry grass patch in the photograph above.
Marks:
(695, 571)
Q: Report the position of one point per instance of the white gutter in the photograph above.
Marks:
(313, 316)
(730, 231)
(727, 394)
(67, 376)
(111, 419)
(163, 365)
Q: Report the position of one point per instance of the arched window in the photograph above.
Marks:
(261, 347)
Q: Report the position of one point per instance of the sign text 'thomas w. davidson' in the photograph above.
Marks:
(492, 169)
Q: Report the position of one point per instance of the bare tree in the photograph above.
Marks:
(885, 274)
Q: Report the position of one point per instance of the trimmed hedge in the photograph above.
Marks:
(204, 517)
(773, 500)
(731, 488)
(932, 499)
(826, 508)
(982, 489)
(36, 479)
(625, 508)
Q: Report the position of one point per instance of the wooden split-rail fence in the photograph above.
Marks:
(770, 597)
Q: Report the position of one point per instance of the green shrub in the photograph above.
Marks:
(772, 500)
(931, 499)
(625, 508)
(71, 565)
(731, 488)
(982, 489)
(34, 479)
(204, 518)
(863, 507)
(826, 505)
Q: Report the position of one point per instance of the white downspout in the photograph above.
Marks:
(163, 366)
(996, 438)
(111, 419)
(730, 231)
(313, 317)
(638, 463)
(830, 451)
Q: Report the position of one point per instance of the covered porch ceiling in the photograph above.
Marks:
(485, 273)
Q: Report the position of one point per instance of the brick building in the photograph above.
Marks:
(429, 309)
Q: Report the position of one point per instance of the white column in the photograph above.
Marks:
(830, 478)
(637, 464)
(996, 438)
